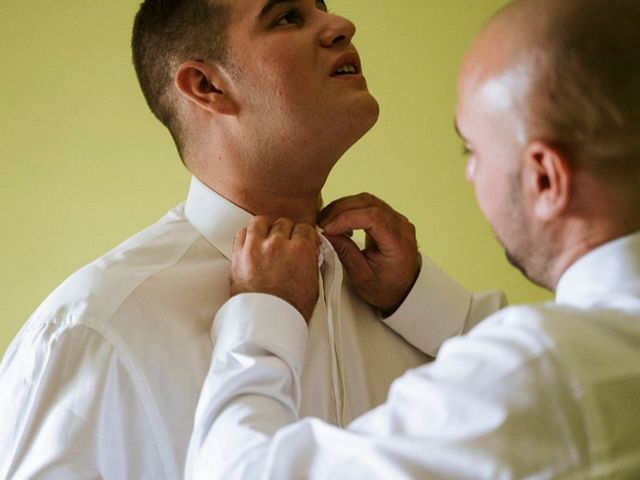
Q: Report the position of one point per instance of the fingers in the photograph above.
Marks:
(258, 229)
(261, 233)
(262, 228)
(307, 232)
(282, 227)
(363, 211)
(277, 258)
(337, 207)
(383, 226)
(239, 241)
(353, 260)
(356, 219)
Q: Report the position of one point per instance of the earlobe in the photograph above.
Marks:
(205, 85)
(548, 180)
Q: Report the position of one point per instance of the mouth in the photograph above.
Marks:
(347, 64)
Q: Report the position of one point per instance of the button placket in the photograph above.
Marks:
(333, 274)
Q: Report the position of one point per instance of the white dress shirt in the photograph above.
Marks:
(104, 378)
(546, 391)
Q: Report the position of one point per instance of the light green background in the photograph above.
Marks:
(84, 165)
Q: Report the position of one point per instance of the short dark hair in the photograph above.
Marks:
(167, 33)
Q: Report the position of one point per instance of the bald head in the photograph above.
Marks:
(549, 108)
(572, 70)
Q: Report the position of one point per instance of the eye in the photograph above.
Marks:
(320, 5)
(291, 17)
(466, 151)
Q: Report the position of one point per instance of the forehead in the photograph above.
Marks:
(249, 11)
(494, 75)
(242, 21)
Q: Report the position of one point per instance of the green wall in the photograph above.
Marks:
(83, 164)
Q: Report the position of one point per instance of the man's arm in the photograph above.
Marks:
(252, 389)
(71, 409)
(481, 410)
(438, 308)
(249, 392)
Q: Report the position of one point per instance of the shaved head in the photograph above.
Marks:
(572, 70)
(549, 110)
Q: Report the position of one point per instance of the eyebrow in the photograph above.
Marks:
(270, 5)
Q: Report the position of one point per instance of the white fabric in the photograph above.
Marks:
(547, 391)
(104, 378)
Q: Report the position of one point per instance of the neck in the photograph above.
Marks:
(297, 208)
(300, 206)
(598, 213)
(589, 239)
(273, 186)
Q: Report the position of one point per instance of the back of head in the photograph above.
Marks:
(584, 97)
(167, 33)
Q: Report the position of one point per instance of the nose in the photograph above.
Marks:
(339, 31)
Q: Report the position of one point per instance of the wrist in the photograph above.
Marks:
(404, 290)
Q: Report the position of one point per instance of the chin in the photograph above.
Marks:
(346, 130)
(513, 260)
(375, 107)
(529, 273)
(366, 117)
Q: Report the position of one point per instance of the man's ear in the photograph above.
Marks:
(547, 180)
(206, 85)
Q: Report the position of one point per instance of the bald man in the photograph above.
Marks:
(549, 109)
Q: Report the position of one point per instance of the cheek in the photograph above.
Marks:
(487, 190)
(483, 200)
(470, 169)
(285, 84)
(265, 91)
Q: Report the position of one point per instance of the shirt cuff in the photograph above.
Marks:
(261, 320)
(434, 311)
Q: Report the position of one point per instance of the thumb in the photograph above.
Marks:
(352, 258)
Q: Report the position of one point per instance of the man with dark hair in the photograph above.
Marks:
(165, 33)
(549, 109)
(262, 98)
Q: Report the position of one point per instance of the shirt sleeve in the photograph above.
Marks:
(438, 308)
(70, 409)
(252, 388)
(493, 405)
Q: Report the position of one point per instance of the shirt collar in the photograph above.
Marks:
(216, 218)
(613, 268)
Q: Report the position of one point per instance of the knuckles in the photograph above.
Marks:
(259, 221)
(282, 222)
(305, 247)
(410, 229)
(272, 245)
(368, 198)
(380, 216)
